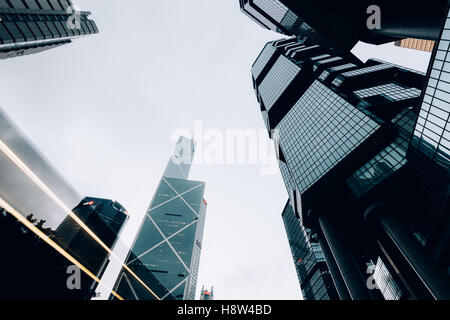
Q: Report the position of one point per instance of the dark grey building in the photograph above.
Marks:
(275, 16)
(369, 182)
(272, 15)
(32, 26)
(166, 250)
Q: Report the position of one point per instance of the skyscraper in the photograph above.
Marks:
(328, 114)
(369, 182)
(49, 237)
(207, 295)
(275, 16)
(32, 26)
(166, 250)
(106, 219)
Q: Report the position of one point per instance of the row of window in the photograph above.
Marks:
(432, 132)
(393, 91)
(319, 131)
(277, 80)
(20, 28)
(305, 254)
(60, 5)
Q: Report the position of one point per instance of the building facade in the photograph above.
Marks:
(166, 250)
(312, 271)
(32, 26)
(362, 149)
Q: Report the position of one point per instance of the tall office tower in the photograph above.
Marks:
(417, 44)
(344, 24)
(272, 15)
(32, 26)
(312, 271)
(105, 218)
(49, 237)
(368, 181)
(166, 250)
(207, 295)
(342, 130)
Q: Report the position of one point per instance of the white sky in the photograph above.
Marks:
(103, 110)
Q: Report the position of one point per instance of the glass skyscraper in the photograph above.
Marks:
(363, 151)
(32, 26)
(271, 14)
(166, 251)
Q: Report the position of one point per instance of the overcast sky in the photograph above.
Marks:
(103, 110)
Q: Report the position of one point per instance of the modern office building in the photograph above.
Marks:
(373, 194)
(166, 250)
(275, 16)
(32, 26)
(416, 44)
(105, 218)
(49, 237)
(312, 271)
(207, 294)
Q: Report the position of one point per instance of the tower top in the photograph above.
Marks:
(181, 159)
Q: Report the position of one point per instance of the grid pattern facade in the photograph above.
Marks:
(165, 242)
(389, 160)
(319, 131)
(306, 256)
(316, 287)
(392, 91)
(38, 23)
(319, 63)
(385, 282)
(292, 22)
(262, 60)
(277, 80)
(192, 281)
(327, 72)
(357, 72)
(274, 8)
(432, 132)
